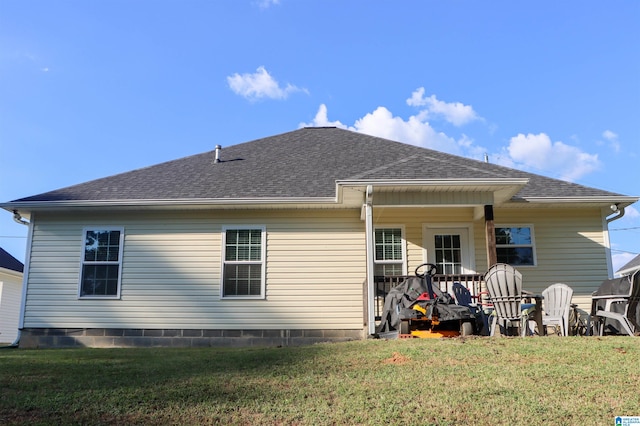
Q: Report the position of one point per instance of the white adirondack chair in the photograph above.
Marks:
(557, 303)
(504, 284)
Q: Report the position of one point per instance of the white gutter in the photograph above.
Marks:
(610, 199)
(27, 205)
(433, 182)
(25, 276)
(369, 240)
(618, 213)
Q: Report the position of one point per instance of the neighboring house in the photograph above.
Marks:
(10, 296)
(630, 267)
(280, 240)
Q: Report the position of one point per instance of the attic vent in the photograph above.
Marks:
(218, 149)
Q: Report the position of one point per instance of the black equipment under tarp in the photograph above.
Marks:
(399, 302)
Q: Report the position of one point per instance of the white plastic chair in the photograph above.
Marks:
(556, 305)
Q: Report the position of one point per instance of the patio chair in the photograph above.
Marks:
(464, 298)
(621, 308)
(504, 284)
(557, 303)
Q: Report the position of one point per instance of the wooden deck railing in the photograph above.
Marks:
(474, 282)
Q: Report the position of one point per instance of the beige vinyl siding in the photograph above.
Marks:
(171, 272)
(569, 242)
(570, 248)
(413, 219)
(315, 264)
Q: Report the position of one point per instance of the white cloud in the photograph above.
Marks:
(531, 152)
(260, 85)
(631, 213)
(265, 4)
(455, 113)
(383, 123)
(538, 152)
(321, 120)
(414, 131)
(612, 138)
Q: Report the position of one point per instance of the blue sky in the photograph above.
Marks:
(91, 89)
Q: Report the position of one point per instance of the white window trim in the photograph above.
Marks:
(404, 247)
(119, 262)
(468, 267)
(263, 259)
(532, 245)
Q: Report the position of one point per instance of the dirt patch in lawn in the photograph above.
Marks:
(397, 359)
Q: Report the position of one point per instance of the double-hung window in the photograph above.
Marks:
(101, 263)
(243, 262)
(515, 245)
(389, 252)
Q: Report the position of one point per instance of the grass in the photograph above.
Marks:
(484, 381)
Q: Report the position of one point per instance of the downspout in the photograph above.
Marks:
(19, 219)
(25, 274)
(369, 255)
(616, 209)
(618, 213)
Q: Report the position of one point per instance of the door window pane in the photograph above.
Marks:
(448, 253)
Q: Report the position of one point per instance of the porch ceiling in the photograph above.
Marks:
(440, 192)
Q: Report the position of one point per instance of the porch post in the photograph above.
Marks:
(369, 239)
(490, 232)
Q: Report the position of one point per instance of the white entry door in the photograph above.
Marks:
(449, 249)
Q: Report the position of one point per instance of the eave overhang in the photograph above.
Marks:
(489, 191)
(349, 194)
(25, 208)
(620, 201)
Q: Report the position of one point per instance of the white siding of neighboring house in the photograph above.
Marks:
(171, 272)
(10, 299)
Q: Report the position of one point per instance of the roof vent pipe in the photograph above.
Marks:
(218, 149)
(486, 157)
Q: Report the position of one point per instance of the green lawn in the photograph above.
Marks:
(484, 381)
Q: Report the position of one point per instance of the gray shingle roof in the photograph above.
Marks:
(302, 163)
(631, 266)
(9, 262)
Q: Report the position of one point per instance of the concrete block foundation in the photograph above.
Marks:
(33, 338)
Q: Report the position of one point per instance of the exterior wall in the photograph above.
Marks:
(570, 248)
(171, 273)
(10, 299)
(569, 242)
(315, 264)
(414, 219)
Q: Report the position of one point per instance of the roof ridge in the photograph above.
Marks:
(460, 162)
(383, 167)
(7, 261)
